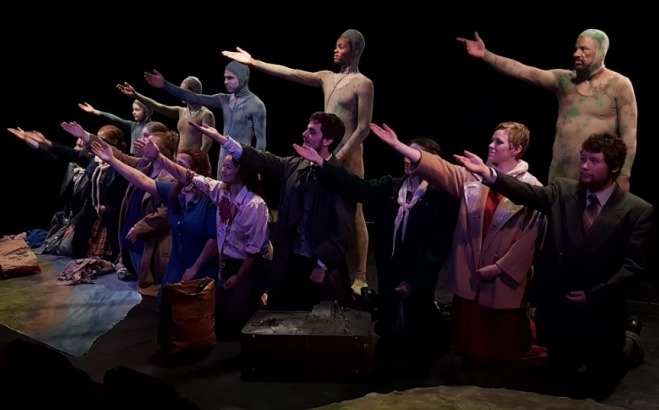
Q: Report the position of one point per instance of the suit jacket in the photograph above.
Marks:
(604, 262)
(331, 221)
(419, 258)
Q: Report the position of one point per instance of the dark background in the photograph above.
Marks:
(58, 55)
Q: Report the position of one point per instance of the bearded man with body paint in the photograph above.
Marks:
(349, 95)
(591, 99)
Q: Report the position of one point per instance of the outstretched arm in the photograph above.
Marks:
(277, 70)
(348, 184)
(119, 122)
(132, 175)
(210, 131)
(151, 152)
(212, 101)
(166, 110)
(388, 135)
(309, 154)
(77, 131)
(87, 107)
(33, 139)
(365, 92)
(540, 78)
(474, 164)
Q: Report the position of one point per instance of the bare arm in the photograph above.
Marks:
(277, 70)
(540, 78)
(365, 93)
(388, 135)
(535, 76)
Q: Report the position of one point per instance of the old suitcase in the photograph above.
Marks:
(326, 344)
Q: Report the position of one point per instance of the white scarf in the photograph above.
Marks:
(404, 209)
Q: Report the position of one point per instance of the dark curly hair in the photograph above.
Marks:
(613, 148)
(331, 125)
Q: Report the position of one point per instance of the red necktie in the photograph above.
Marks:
(590, 213)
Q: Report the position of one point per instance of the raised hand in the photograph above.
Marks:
(127, 89)
(147, 148)
(86, 107)
(34, 139)
(154, 79)
(240, 56)
(308, 153)
(385, 133)
(20, 134)
(476, 47)
(473, 163)
(39, 137)
(76, 130)
(210, 131)
(102, 150)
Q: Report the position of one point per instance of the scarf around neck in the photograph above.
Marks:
(404, 208)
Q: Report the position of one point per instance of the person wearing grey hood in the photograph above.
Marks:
(141, 116)
(243, 112)
(190, 138)
(349, 95)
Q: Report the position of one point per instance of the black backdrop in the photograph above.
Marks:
(59, 55)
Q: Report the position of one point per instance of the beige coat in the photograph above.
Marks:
(511, 240)
(153, 229)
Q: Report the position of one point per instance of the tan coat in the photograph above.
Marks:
(511, 240)
(153, 229)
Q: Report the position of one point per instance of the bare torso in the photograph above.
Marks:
(341, 92)
(583, 109)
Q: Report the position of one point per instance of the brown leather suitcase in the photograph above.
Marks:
(326, 344)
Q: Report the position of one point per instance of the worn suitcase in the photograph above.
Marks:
(326, 344)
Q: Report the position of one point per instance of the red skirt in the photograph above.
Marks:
(496, 334)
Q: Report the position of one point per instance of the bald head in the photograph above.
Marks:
(600, 38)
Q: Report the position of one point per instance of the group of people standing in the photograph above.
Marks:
(510, 242)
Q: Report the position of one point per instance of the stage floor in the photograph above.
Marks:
(214, 381)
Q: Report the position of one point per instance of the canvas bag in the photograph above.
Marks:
(187, 316)
(17, 259)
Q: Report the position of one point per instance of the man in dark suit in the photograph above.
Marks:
(596, 247)
(413, 225)
(315, 225)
